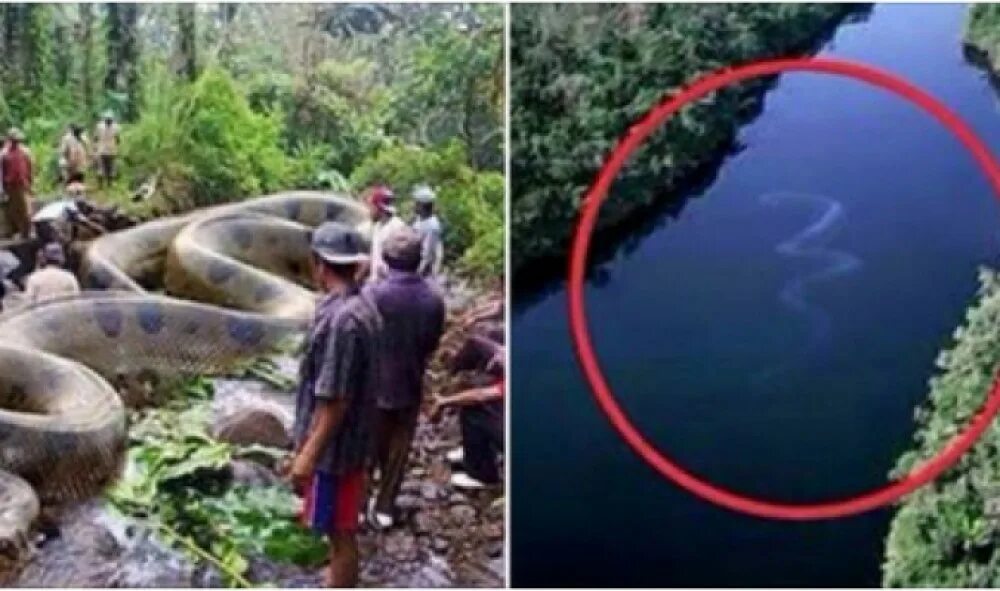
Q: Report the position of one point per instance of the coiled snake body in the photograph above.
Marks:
(241, 271)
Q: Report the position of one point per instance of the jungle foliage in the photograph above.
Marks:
(982, 32)
(581, 74)
(945, 534)
(177, 482)
(226, 101)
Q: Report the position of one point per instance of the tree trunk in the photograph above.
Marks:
(130, 58)
(63, 45)
(114, 39)
(87, 56)
(11, 17)
(186, 36)
(227, 13)
(36, 50)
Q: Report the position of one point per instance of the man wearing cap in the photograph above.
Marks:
(382, 207)
(17, 177)
(106, 136)
(335, 400)
(51, 280)
(429, 227)
(413, 320)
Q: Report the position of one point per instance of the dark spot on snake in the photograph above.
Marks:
(191, 327)
(220, 271)
(294, 267)
(17, 397)
(332, 211)
(241, 235)
(245, 331)
(265, 292)
(293, 209)
(99, 278)
(150, 317)
(109, 317)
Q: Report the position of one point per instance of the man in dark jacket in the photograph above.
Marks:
(413, 320)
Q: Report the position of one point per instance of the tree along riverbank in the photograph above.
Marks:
(582, 74)
(945, 534)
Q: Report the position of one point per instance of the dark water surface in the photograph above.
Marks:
(774, 337)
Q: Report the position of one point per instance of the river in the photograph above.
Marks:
(774, 335)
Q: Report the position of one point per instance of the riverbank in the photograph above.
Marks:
(563, 126)
(943, 535)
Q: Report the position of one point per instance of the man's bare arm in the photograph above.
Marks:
(326, 419)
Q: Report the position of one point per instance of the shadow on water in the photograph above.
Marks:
(542, 277)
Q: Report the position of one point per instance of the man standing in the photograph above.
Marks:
(51, 280)
(335, 400)
(429, 227)
(72, 153)
(382, 207)
(106, 137)
(17, 177)
(413, 321)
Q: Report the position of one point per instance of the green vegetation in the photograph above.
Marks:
(581, 74)
(982, 33)
(942, 535)
(945, 534)
(223, 102)
(177, 482)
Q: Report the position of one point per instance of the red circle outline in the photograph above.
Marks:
(596, 195)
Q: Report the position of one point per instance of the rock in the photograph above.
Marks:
(423, 522)
(457, 498)
(248, 426)
(440, 472)
(431, 491)
(407, 502)
(252, 474)
(493, 531)
(400, 545)
(494, 550)
(463, 514)
(440, 545)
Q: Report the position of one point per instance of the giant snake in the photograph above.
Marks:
(809, 243)
(237, 277)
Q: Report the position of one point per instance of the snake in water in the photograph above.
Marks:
(808, 244)
(237, 275)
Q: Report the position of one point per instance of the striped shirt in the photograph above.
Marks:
(341, 364)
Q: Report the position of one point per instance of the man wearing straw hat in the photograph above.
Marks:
(17, 177)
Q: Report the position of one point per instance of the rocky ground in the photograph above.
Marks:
(444, 537)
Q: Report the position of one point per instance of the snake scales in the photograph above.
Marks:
(236, 275)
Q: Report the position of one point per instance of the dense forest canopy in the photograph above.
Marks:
(225, 101)
(581, 74)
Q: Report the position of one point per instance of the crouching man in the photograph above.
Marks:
(335, 400)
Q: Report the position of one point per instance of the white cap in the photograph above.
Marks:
(423, 194)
